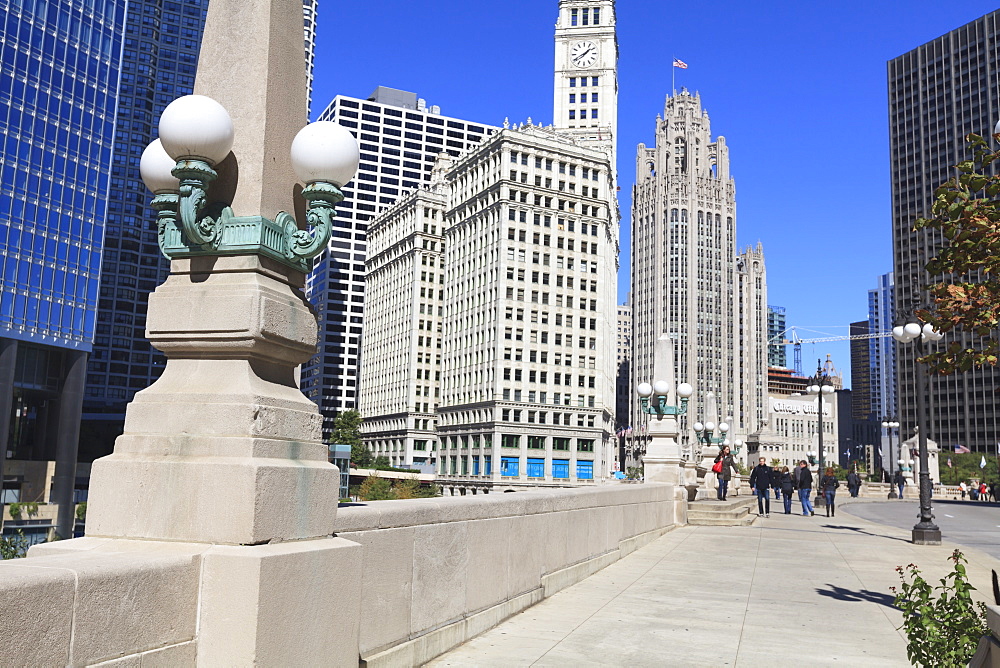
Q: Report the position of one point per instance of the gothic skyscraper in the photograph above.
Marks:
(687, 278)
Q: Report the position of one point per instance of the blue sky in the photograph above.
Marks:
(797, 88)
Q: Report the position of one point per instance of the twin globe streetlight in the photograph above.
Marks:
(660, 389)
(889, 424)
(820, 386)
(196, 133)
(925, 532)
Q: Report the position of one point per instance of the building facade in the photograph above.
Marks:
(687, 279)
(777, 351)
(58, 93)
(623, 381)
(523, 350)
(791, 434)
(938, 93)
(400, 138)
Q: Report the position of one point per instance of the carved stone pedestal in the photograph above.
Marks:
(223, 448)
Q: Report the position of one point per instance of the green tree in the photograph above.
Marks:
(347, 431)
(966, 212)
(375, 488)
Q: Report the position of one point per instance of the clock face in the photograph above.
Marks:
(583, 54)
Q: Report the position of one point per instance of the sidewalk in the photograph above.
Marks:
(810, 590)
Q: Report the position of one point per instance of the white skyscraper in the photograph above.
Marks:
(495, 292)
(687, 279)
(400, 137)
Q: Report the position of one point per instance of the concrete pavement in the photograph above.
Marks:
(810, 590)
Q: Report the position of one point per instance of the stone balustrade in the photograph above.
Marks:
(411, 580)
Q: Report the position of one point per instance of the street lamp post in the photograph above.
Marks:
(821, 385)
(889, 424)
(925, 532)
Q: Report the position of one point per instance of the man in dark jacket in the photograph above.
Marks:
(805, 488)
(853, 483)
(760, 482)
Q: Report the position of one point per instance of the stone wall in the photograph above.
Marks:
(413, 579)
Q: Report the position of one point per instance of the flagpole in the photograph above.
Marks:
(673, 76)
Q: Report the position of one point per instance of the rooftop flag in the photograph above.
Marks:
(961, 450)
(680, 63)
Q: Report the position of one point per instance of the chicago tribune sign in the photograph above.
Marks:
(790, 407)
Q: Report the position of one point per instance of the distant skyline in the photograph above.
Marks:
(798, 90)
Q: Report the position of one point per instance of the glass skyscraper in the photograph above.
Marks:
(58, 90)
(159, 60)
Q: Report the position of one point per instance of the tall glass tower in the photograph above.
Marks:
(58, 90)
(162, 41)
(159, 59)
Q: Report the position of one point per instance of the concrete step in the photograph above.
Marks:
(746, 521)
(718, 514)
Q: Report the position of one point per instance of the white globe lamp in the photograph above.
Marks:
(154, 168)
(644, 390)
(196, 127)
(325, 151)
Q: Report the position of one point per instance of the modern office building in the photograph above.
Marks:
(400, 138)
(159, 60)
(687, 279)
(58, 90)
(777, 351)
(938, 93)
(523, 351)
(623, 380)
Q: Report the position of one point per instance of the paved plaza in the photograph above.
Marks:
(813, 590)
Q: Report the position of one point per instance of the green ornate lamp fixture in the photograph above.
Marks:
(196, 133)
(658, 405)
(706, 435)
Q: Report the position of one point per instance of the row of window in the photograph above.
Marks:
(535, 468)
(583, 114)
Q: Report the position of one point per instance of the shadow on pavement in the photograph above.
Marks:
(864, 595)
(863, 531)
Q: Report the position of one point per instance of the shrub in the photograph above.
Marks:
(943, 624)
(13, 547)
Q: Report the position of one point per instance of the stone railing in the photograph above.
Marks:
(988, 653)
(412, 579)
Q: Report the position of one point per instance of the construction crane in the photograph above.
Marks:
(797, 341)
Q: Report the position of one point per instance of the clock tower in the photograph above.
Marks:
(586, 68)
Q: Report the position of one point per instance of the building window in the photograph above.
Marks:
(512, 441)
(536, 442)
(585, 470)
(509, 467)
(584, 445)
(572, 82)
(560, 443)
(572, 98)
(574, 17)
(536, 466)
(560, 468)
(595, 81)
(597, 16)
(572, 114)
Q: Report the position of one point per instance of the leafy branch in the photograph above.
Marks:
(966, 213)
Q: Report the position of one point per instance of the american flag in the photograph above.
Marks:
(961, 450)
(680, 63)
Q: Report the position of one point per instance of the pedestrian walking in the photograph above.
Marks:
(900, 482)
(962, 488)
(983, 492)
(760, 483)
(805, 488)
(853, 483)
(787, 484)
(828, 485)
(776, 482)
(993, 492)
(724, 467)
